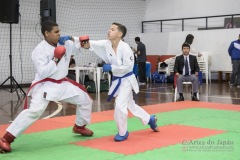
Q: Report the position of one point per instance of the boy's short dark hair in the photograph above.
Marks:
(186, 45)
(48, 26)
(121, 28)
(137, 39)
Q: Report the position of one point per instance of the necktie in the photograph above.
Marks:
(186, 67)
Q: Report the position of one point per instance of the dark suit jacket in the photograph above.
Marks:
(179, 64)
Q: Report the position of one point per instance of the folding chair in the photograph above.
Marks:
(184, 84)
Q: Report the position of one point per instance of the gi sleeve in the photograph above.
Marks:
(70, 47)
(99, 48)
(43, 63)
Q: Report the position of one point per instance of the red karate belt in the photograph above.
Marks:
(54, 81)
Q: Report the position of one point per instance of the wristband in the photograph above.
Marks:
(56, 60)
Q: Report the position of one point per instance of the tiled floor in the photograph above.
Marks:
(153, 93)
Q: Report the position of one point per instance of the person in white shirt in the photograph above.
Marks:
(50, 84)
(119, 59)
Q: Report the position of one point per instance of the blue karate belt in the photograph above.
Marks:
(119, 82)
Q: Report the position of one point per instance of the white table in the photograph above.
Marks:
(96, 75)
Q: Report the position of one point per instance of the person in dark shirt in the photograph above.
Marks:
(141, 59)
(189, 39)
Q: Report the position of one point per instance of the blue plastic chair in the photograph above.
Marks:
(148, 70)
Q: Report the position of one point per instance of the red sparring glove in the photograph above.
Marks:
(83, 40)
(58, 53)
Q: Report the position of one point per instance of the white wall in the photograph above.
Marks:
(169, 9)
(214, 41)
(177, 9)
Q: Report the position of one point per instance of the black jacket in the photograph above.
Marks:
(179, 64)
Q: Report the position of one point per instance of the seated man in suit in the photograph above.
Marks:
(186, 69)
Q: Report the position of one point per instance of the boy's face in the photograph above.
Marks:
(114, 33)
(53, 36)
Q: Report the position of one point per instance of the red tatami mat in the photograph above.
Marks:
(172, 106)
(144, 140)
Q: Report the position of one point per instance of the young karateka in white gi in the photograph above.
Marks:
(119, 58)
(51, 63)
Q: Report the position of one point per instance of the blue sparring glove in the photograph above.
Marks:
(107, 67)
(62, 39)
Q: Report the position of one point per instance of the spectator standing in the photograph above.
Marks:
(234, 52)
(141, 58)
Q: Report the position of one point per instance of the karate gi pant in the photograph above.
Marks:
(38, 105)
(123, 102)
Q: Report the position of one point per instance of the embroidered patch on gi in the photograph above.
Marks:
(44, 94)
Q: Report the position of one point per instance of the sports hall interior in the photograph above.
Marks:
(162, 26)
